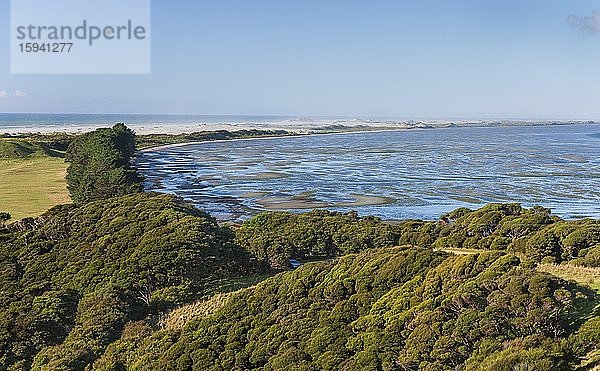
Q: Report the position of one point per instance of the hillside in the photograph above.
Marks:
(144, 281)
(72, 278)
(533, 233)
(125, 279)
(395, 308)
(33, 145)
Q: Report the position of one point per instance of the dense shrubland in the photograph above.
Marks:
(93, 285)
(278, 236)
(397, 308)
(153, 140)
(71, 279)
(534, 233)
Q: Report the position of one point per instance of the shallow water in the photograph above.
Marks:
(402, 174)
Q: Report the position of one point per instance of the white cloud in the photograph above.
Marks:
(20, 94)
(588, 24)
(13, 94)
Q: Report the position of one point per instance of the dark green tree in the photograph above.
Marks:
(100, 165)
(4, 217)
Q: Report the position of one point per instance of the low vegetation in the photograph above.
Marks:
(33, 145)
(180, 316)
(56, 144)
(583, 275)
(32, 171)
(155, 140)
(28, 187)
(18, 149)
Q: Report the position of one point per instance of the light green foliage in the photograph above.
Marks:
(29, 187)
(154, 140)
(533, 232)
(493, 227)
(26, 146)
(85, 284)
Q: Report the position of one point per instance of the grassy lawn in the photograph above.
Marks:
(584, 275)
(28, 187)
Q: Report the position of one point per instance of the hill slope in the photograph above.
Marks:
(396, 308)
(94, 286)
(73, 277)
(534, 233)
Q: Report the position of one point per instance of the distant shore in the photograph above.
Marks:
(298, 135)
(347, 131)
(184, 124)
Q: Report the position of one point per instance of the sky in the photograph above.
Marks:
(526, 59)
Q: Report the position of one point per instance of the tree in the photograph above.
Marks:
(4, 217)
(100, 165)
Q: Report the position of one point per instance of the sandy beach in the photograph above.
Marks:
(300, 203)
(149, 124)
(182, 124)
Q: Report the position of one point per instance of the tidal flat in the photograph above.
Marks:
(394, 175)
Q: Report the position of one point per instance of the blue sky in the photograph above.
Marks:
(404, 59)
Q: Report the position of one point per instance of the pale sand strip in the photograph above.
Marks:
(285, 203)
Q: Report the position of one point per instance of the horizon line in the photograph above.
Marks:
(344, 116)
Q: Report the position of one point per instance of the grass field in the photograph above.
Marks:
(584, 275)
(28, 187)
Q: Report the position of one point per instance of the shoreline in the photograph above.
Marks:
(293, 132)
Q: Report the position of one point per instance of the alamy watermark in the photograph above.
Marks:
(83, 36)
